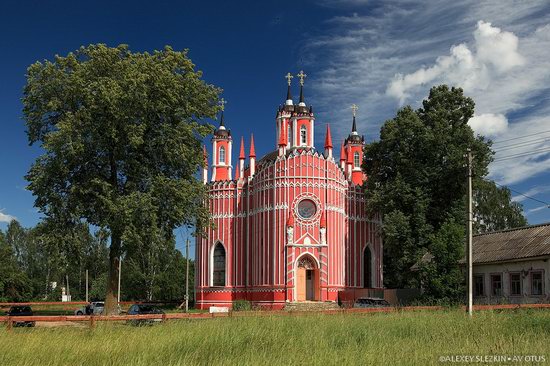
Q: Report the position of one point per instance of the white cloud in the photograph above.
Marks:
(531, 192)
(536, 209)
(489, 124)
(392, 52)
(6, 218)
(495, 52)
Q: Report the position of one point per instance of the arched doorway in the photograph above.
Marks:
(307, 279)
(367, 268)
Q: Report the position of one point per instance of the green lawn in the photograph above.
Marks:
(408, 338)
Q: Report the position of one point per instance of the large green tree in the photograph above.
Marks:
(417, 180)
(121, 133)
(14, 283)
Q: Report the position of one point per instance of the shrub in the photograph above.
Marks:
(242, 305)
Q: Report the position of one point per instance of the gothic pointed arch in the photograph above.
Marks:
(367, 267)
(219, 265)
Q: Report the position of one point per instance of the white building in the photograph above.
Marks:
(512, 266)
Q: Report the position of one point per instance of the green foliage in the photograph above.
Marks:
(494, 209)
(242, 305)
(417, 180)
(14, 284)
(441, 278)
(98, 288)
(122, 136)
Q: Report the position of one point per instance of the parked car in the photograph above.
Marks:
(93, 308)
(370, 302)
(21, 311)
(142, 309)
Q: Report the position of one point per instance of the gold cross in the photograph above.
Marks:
(302, 76)
(354, 108)
(289, 78)
(223, 102)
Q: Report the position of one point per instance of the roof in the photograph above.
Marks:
(505, 245)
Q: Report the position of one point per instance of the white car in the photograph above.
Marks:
(93, 308)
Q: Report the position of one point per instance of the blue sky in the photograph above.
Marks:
(378, 55)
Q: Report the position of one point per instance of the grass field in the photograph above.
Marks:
(408, 338)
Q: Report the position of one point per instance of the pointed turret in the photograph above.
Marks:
(328, 143)
(323, 223)
(302, 76)
(290, 220)
(241, 159)
(343, 157)
(252, 156)
(241, 152)
(205, 165)
(282, 139)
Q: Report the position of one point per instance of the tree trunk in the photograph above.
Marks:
(111, 301)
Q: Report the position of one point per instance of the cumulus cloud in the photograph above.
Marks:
(489, 124)
(390, 53)
(494, 52)
(6, 218)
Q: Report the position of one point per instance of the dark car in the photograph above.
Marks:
(21, 311)
(143, 309)
(370, 302)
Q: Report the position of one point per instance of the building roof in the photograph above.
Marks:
(505, 245)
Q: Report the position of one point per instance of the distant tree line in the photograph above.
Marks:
(32, 259)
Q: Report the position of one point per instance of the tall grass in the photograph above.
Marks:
(408, 338)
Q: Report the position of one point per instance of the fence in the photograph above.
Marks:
(91, 319)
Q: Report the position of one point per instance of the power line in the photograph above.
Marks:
(521, 137)
(519, 155)
(522, 144)
(524, 195)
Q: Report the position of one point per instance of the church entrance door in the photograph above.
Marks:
(307, 280)
(310, 294)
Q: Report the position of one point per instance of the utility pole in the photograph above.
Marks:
(469, 245)
(119, 275)
(86, 285)
(187, 276)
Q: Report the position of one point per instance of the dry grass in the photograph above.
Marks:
(355, 339)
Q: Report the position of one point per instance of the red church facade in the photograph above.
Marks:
(290, 226)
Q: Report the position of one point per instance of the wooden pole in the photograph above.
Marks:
(119, 275)
(187, 276)
(87, 300)
(68, 290)
(469, 251)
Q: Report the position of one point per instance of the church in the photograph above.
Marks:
(290, 226)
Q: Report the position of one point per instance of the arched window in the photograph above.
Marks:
(222, 154)
(356, 161)
(367, 268)
(218, 271)
(303, 135)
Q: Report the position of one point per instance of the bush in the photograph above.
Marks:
(242, 305)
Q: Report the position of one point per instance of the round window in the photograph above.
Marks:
(306, 209)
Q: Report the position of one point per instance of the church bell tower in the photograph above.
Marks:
(222, 144)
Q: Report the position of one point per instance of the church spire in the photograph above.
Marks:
(288, 77)
(302, 76)
(328, 138)
(354, 108)
(252, 155)
(328, 143)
